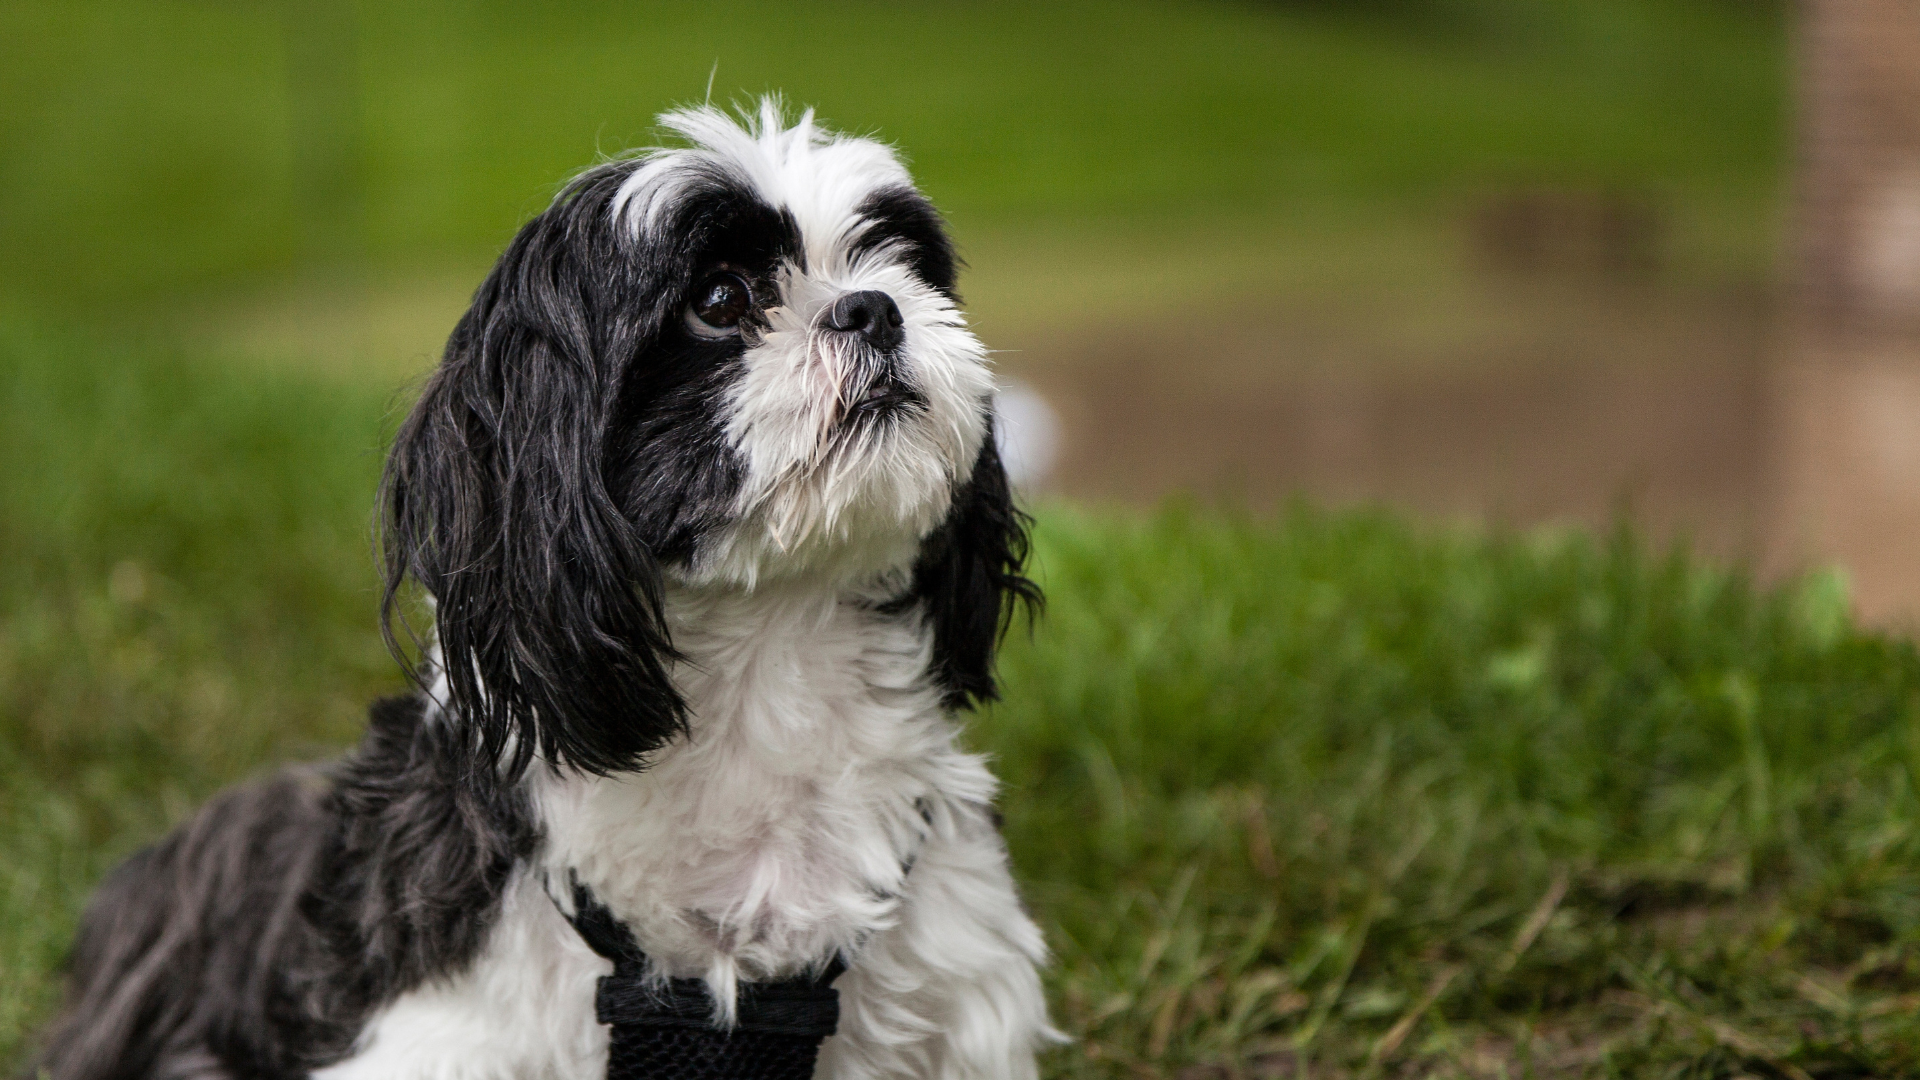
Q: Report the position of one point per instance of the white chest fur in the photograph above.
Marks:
(780, 831)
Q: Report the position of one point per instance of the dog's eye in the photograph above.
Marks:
(722, 301)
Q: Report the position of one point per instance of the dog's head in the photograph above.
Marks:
(736, 364)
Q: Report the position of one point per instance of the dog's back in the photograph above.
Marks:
(168, 978)
(254, 940)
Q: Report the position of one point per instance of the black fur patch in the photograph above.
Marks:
(256, 940)
(902, 216)
(968, 583)
(669, 464)
(568, 445)
(421, 849)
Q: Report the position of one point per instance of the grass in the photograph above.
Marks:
(152, 148)
(186, 594)
(1326, 792)
(1297, 794)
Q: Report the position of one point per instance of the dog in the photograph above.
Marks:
(705, 502)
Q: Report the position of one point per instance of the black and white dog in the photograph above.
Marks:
(706, 498)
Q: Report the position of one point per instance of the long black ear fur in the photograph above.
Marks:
(548, 602)
(968, 581)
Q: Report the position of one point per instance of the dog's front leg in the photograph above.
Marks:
(952, 989)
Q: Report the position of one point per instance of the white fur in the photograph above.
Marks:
(816, 174)
(773, 838)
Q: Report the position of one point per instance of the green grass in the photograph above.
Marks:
(186, 593)
(1325, 791)
(1280, 785)
(150, 148)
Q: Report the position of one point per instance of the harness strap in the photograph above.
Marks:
(666, 1030)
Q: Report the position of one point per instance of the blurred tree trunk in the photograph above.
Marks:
(1849, 386)
(1860, 199)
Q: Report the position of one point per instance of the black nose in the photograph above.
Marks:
(871, 314)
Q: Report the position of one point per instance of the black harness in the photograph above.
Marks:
(666, 1031)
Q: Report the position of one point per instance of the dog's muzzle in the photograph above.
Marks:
(875, 383)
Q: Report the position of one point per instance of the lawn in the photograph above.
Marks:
(1299, 793)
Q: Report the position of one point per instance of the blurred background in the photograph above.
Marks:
(1511, 260)
(1295, 785)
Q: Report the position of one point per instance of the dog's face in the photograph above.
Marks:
(810, 397)
(731, 365)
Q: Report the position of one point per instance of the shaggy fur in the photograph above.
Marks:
(705, 494)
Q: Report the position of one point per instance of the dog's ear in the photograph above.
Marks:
(968, 580)
(547, 601)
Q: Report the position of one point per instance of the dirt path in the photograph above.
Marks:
(1527, 404)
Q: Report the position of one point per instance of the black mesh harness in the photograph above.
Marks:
(665, 1031)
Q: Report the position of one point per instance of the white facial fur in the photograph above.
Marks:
(822, 499)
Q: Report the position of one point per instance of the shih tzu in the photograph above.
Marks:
(706, 499)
